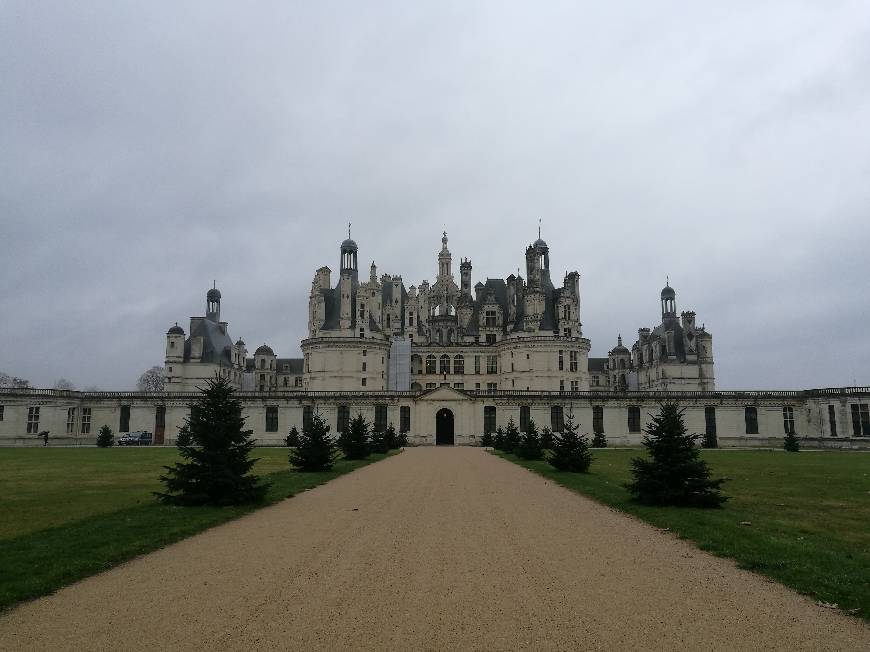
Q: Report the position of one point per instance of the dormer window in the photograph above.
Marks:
(490, 319)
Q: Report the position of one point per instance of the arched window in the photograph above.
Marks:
(444, 366)
(416, 364)
(458, 364)
(430, 364)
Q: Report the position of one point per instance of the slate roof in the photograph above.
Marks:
(597, 364)
(217, 346)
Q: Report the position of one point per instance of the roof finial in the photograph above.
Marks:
(348, 230)
(214, 284)
(539, 228)
(667, 280)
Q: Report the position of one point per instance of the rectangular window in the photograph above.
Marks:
(362, 333)
(430, 385)
(557, 419)
(750, 416)
(491, 387)
(459, 365)
(343, 419)
(561, 360)
(575, 385)
(272, 419)
(490, 319)
(788, 420)
(492, 364)
(405, 418)
(70, 421)
(572, 359)
(2, 409)
(477, 364)
(86, 421)
(561, 385)
(124, 425)
(477, 387)
(364, 366)
(365, 352)
(832, 420)
(489, 418)
(860, 420)
(525, 417)
(597, 418)
(307, 414)
(380, 418)
(32, 420)
(444, 364)
(458, 385)
(363, 382)
(596, 381)
(710, 420)
(410, 320)
(490, 338)
(633, 418)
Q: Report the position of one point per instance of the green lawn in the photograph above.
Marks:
(66, 513)
(809, 515)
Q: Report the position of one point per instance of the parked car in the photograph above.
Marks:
(138, 438)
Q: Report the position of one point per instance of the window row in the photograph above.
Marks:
(342, 421)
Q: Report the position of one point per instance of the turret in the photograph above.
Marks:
(175, 344)
(213, 305)
(465, 277)
(669, 303)
(444, 260)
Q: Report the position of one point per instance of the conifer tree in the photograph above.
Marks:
(511, 437)
(498, 440)
(292, 439)
(570, 449)
(401, 439)
(546, 438)
(529, 447)
(216, 451)
(391, 437)
(674, 474)
(710, 440)
(315, 449)
(599, 440)
(105, 438)
(791, 443)
(487, 440)
(355, 442)
(378, 442)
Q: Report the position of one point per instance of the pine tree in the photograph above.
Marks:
(315, 450)
(498, 440)
(546, 438)
(401, 439)
(378, 442)
(529, 447)
(674, 474)
(106, 438)
(292, 439)
(710, 440)
(217, 465)
(570, 450)
(487, 440)
(354, 442)
(511, 437)
(391, 437)
(599, 440)
(791, 443)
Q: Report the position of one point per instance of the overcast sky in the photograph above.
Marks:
(148, 148)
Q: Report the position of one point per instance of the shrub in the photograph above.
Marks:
(791, 443)
(674, 474)
(292, 439)
(354, 442)
(401, 439)
(105, 438)
(391, 437)
(546, 438)
(599, 440)
(487, 439)
(570, 450)
(511, 437)
(529, 447)
(498, 440)
(216, 453)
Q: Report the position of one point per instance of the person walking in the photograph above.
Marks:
(44, 435)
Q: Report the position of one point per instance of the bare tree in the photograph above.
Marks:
(12, 381)
(151, 380)
(64, 384)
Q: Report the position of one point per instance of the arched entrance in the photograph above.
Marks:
(444, 427)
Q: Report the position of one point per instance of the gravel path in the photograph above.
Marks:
(433, 549)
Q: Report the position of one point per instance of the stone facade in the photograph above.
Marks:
(826, 418)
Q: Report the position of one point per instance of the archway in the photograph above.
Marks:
(444, 427)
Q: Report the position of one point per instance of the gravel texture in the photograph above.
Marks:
(436, 548)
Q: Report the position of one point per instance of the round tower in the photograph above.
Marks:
(213, 305)
(669, 302)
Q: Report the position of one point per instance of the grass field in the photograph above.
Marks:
(67, 513)
(802, 519)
